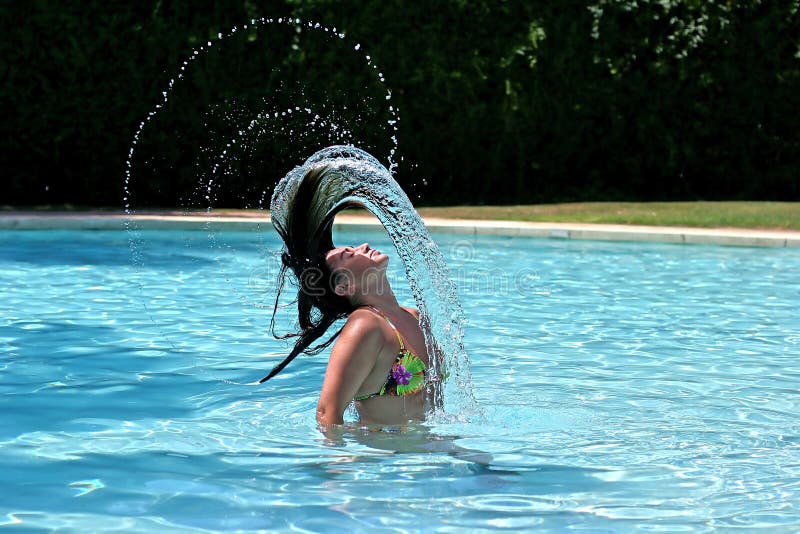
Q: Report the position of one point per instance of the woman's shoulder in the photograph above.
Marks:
(363, 320)
(362, 332)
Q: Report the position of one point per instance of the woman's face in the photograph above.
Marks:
(356, 261)
(359, 268)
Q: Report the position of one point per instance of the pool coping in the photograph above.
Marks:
(550, 230)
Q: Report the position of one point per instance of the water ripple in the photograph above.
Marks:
(626, 387)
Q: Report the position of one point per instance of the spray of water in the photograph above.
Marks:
(256, 124)
(237, 131)
(370, 183)
(357, 177)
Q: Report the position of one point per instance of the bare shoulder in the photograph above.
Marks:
(359, 343)
(412, 311)
(362, 324)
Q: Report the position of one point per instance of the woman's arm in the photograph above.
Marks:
(352, 358)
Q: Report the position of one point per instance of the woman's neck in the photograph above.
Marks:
(385, 301)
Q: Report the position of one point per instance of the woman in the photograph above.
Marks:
(379, 360)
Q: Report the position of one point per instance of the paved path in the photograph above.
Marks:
(603, 232)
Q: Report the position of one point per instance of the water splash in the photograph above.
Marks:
(206, 186)
(244, 131)
(358, 177)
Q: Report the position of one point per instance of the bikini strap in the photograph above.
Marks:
(396, 331)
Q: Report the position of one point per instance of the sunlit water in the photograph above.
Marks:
(625, 387)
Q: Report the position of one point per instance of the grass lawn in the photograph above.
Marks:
(747, 214)
(767, 215)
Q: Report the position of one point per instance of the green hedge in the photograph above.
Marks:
(514, 101)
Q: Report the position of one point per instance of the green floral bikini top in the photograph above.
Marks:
(408, 373)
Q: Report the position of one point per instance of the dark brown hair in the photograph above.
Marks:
(307, 237)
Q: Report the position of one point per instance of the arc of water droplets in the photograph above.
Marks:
(241, 138)
(197, 52)
(134, 239)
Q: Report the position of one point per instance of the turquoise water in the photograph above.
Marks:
(622, 387)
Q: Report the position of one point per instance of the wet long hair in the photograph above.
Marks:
(307, 237)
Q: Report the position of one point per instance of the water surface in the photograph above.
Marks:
(622, 386)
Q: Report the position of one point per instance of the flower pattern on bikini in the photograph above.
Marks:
(407, 375)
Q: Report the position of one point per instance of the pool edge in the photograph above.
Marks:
(577, 231)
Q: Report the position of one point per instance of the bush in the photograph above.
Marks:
(499, 102)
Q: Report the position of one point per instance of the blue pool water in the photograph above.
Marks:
(621, 387)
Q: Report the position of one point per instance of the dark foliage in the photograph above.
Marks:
(513, 101)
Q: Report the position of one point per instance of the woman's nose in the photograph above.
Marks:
(363, 247)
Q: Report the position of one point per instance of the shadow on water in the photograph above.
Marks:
(413, 440)
(447, 468)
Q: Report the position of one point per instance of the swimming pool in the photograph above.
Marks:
(622, 387)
